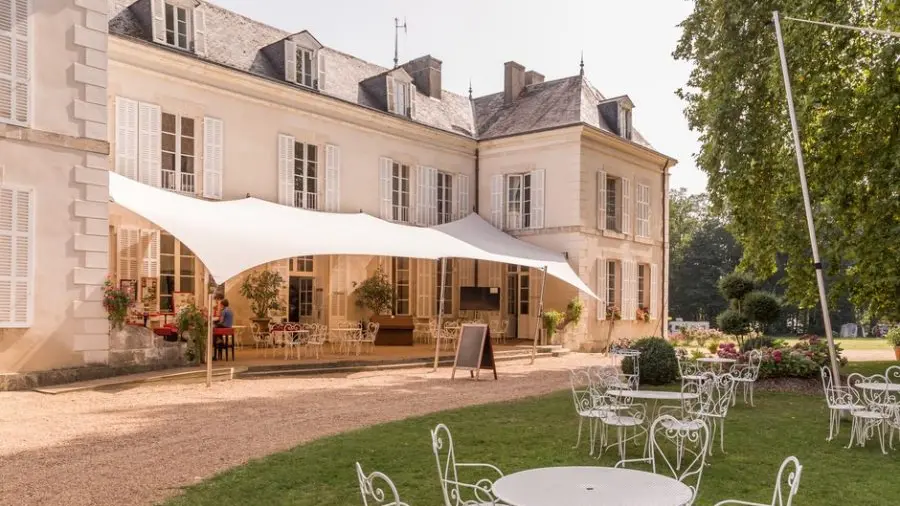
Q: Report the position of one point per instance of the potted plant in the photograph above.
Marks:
(893, 337)
(192, 323)
(116, 302)
(643, 314)
(263, 290)
(376, 294)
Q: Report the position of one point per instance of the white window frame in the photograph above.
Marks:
(444, 197)
(338, 281)
(301, 265)
(16, 236)
(184, 182)
(626, 129)
(518, 205)
(399, 281)
(448, 287)
(462, 195)
(177, 255)
(613, 203)
(21, 55)
(305, 171)
(305, 71)
(400, 192)
(613, 283)
(187, 24)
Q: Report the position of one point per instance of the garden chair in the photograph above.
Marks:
(368, 337)
(586, 398)
(689, 370)
(838, 399)
(716, 395)
(373, 493)
(260, 335)
(869, 408)
(784, 490)
(633, 380)
(689, 445)
(747, 374)
(621, 412)
(456, 491)
(893, 374)
(318, 334)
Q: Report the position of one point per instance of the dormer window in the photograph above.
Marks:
(304, 60)
(178, 24)
(400, 97)
(625, 129)
(305, 67)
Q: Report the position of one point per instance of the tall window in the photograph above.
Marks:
(625, 129)
(444, 197)
(612, 203)
(177, 26)
(301, 264)
(177, 271)
(518, 201)
(400, 192)
(518, 288)
(611, 293)
(398, 97)
(178, 153)
(300, 297)
(448, 288)
(305, 67)
(641, 280)
(306, 189)
(400, 267)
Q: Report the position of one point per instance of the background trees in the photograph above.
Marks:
(847, 94)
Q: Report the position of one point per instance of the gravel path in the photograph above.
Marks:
(140, 445)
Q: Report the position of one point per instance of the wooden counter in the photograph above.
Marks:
(394, 331)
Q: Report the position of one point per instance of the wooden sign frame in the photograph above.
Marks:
(485, 353)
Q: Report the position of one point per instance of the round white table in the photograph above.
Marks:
(590, 486)
(717, 360)
(655, 395)
(877, 385)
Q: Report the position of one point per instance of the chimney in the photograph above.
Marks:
(426, 74)
(513, 81)
(532, 77)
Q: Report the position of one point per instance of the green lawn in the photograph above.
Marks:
(860, 343)
(540, 432)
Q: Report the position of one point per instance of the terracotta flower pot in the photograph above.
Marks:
(897, 352)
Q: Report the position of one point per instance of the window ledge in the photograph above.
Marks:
(643, 240)
(614, 234)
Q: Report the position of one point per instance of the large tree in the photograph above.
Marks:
(847, 95)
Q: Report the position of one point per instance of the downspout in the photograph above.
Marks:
(477, 185)
(664, 293)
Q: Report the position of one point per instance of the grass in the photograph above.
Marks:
(860, 343)
(540, 432)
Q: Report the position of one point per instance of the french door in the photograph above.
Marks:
(518, 286)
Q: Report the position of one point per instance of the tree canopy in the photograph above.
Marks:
(846, 89)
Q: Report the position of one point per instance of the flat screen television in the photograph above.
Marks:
(477, 298)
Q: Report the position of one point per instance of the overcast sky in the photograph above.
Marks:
(627, 48)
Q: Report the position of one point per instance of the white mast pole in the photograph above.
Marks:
(437, 338)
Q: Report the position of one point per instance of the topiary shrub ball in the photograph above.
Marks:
(736, 285)
(732, 322)
(762, 307)
(756, 343)
(659, 366)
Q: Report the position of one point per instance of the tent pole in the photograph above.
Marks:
(209, 334)
(817, 262)
(437, 338)
(540, 315)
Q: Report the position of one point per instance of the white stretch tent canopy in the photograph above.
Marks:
(230, 237)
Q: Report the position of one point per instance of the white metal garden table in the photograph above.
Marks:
(717, 360)
(590, 486)
(654, 395)
(877, 385)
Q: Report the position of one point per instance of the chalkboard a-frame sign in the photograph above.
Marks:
(474, 351)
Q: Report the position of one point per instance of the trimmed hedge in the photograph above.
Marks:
(659, 365)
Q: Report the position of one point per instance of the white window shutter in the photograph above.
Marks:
(290, 61)
(626, 206)
(149, 253)
(629, 289)
(338, 279)
(15, 61)
(497, 201)
(601, 200)
(537, 198)
(385, 179)
(285, 170)
(213, 157)
(127, 138)
(462, 195)
(412, 101)
(431, 195)
(332, 178)
(600, 274)
(320, 66)
(466, 269)
(654, 291)
(425, 275)
(199, 31)
(129, 252)
(649, 211)
(149, 144)
(389, 84)
(16, 257)
(420, 212)
(158, 13)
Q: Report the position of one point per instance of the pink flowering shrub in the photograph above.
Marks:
(802, 360)
(729, 350)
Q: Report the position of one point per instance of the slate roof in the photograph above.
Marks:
(236, 41)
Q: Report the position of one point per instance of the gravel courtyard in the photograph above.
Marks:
(140, 445)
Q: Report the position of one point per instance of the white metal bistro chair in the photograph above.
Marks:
(455, 491)
(689, 370)
(870, 410)
(838, 399)
(747, 374)
(261, 335)
(633, 380)
(684, 417)
(377, 489)
(786, 487)
(318, 334)
(621, 412)
(677, 449)
(585, 397)
(716, 393)
(367, 338)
